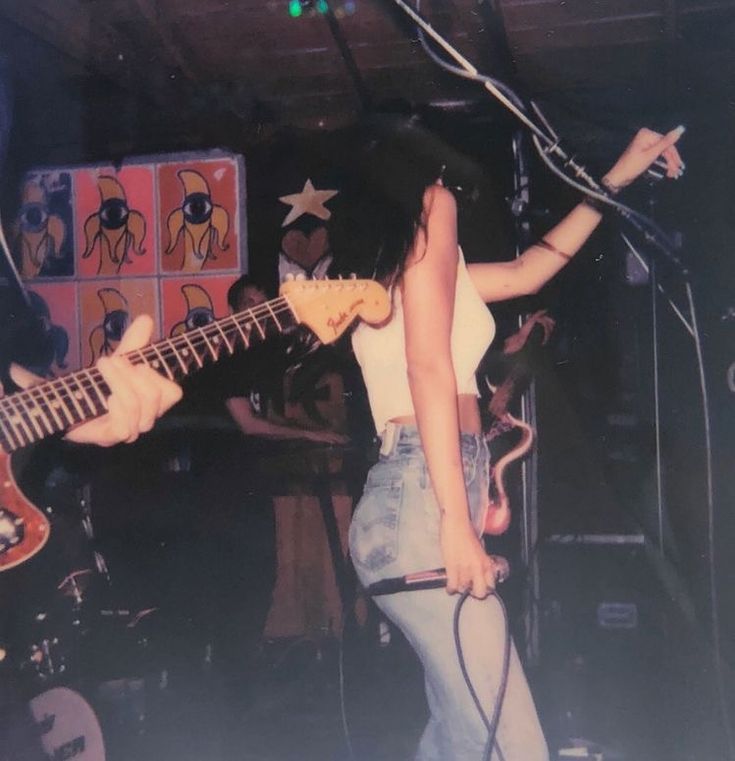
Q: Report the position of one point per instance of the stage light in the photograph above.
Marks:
(299, 8)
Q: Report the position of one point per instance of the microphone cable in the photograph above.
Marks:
(436, 579)
(491, 724)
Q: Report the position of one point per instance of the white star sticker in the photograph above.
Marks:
(308, 201)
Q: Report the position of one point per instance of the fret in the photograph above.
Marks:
(141, 357)
(81, 394)
(9, 432)
(206, 341)
(58, 422)
(257, 325)
(24, 400)
(230, 349)
(70, 395)
(17, 420)
(291, 310)
(61, 404)
(245, 339)
(39, 411)
(101, 403)
(162, 361)
(171, 345)
(193, 350)
(275, 319)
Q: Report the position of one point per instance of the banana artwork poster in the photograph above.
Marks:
(97, 245)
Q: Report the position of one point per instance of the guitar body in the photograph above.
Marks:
(24, 529)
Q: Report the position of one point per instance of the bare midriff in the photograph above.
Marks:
(467, 409)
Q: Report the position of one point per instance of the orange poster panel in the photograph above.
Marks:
(193, 302)
(115, 221)
(200, 221)
(106, 309)
(56, 306)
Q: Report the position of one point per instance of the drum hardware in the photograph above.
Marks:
(75, 584)
(43, 659)
(84, 497)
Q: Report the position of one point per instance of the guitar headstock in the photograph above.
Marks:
(328, 307)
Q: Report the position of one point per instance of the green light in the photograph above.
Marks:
(294, 8)
(322, 6)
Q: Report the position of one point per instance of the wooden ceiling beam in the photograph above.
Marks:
(50, 22)
(153, 16)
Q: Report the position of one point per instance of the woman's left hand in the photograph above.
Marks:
(646, 148)
(139, 395)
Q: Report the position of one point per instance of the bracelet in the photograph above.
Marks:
(611, 186)
(543, 243)
(595, 203)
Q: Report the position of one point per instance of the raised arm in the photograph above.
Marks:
(428, 287)
(539, 263)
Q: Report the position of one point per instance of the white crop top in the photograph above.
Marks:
(381, 351)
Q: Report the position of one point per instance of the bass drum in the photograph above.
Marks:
(67, 726)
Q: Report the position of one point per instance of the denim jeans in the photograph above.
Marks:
(395, 531)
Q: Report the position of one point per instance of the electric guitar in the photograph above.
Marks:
(327, 307)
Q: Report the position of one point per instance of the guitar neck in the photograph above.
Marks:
(56, 405)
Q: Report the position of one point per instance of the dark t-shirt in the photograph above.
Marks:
(255, 374)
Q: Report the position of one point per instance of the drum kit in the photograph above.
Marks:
(81, 649)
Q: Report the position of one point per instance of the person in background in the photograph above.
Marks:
(424, 501)
(248, 408)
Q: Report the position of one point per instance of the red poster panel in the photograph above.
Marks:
(115, 221)
(200, 222)
(56, 305)
(106, 309)
(188, 303)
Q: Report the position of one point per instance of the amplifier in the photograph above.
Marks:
(619, 664)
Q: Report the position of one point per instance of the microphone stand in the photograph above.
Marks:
(520, 209)
(545, 139)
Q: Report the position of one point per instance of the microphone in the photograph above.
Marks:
(435, 579)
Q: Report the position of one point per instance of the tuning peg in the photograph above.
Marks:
(301, 276)
(289, 277)
(353, 276)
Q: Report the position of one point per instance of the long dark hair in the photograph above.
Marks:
(380, 205)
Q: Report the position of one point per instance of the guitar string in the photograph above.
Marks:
(196, 341)
(172, 348)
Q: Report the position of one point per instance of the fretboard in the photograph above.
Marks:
(56, 405)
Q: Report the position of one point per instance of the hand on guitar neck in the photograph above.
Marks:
(139, 395)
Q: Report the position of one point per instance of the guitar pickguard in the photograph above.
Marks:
(24, 529)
